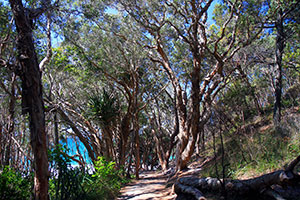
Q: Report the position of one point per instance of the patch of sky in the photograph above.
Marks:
(111, 10)
(5, 3)
(210, 10)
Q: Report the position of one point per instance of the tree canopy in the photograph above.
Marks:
(122, 86)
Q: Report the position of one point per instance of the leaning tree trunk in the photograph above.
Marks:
(32, 99)
(278, 67)
(193, 187)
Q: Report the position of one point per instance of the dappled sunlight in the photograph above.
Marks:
(151, 186)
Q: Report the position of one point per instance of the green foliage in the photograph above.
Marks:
(13, 185)
(256, 153)
(103, 107)
(5, 17)
(66, 181)
(106, 181)
(239, 98)
(291, 96)
(269, 152)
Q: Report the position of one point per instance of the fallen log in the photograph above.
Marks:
(238, 189)
(194, 192)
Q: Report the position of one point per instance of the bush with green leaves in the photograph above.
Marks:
(69, 182)
(105, 182)
(14, 185)
(66, 181)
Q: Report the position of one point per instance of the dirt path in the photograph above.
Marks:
(151, 186)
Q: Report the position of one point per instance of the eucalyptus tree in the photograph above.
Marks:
(182, 42)
(27, 68)
(281, 17)
(164, 126)
(13, 127)
(67, 85)
(107, 46)
(7, 84)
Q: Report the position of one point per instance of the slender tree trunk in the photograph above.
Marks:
(129, 165)
(137, 145)
(32, 99)
(11, 121)
(124, 135)
(56, 134)
(109, 151)
(253, 93)
(160, 152)
(136, 126)
(278, 67)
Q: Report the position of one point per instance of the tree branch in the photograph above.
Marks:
(49, 46)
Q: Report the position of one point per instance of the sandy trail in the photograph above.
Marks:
(151, 186)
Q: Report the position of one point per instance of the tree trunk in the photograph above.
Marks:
(278, 67)
(129, 165)
(137, 155)
(253, 93)
(159, 150)
(187, 150)
(56, 134)
(109, 150)
(32, 99)
(124, 132)
(136, 126)
(11, 121)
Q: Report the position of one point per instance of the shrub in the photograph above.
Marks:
(105, 182)
(66, 181)
(13, 185)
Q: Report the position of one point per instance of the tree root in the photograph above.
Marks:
(193, 186)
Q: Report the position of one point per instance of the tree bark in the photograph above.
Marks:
(109, 150)
(195, 115)
(278, 67)
(124, 135)
(136, 128)
(32, 98)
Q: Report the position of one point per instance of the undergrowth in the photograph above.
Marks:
(249, 155)
(14, 184)
(68, 182)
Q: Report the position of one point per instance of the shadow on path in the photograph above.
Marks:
(151, 186)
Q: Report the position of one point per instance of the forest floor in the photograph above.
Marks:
(151, 186)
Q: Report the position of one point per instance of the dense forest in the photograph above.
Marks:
(93, 92)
